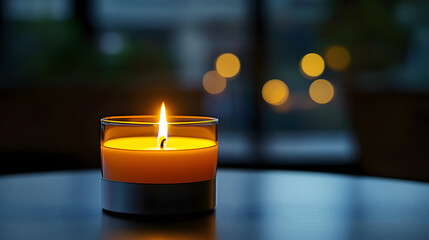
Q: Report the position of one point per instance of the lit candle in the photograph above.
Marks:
(177, 154)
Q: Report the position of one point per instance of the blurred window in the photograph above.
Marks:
(275, 72)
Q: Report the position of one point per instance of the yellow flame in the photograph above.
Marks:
(163, 129)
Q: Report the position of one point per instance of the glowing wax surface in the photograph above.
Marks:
(140, 160)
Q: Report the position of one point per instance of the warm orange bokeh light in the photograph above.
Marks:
(227, 65)
(214, 83)
(163, 128)
(275, 92)
(321, 91)
(312, 65)
(337, 58)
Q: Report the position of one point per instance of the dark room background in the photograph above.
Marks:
(324, 85)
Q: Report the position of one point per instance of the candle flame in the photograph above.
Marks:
(162, 131)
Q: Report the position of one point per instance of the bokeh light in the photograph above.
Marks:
(321, 91)
(227, 65)
(337, 58)
(312, 65)
(111, 43)
(275, 92)
(214, 83)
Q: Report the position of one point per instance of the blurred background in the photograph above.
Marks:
(318, 85)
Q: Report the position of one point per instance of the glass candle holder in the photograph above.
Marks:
(143, 174)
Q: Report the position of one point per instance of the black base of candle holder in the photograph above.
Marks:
(158, 199)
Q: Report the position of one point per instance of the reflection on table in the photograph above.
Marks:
(151, 228)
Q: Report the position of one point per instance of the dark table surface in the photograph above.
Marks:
(251, 205)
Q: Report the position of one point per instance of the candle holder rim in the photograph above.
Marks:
(196, 120)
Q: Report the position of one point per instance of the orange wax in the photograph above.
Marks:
(140, 160)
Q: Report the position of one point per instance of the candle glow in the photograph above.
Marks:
(139, 153)
(163, 128)
(142, 175)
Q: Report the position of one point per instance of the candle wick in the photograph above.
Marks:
(162, 143)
